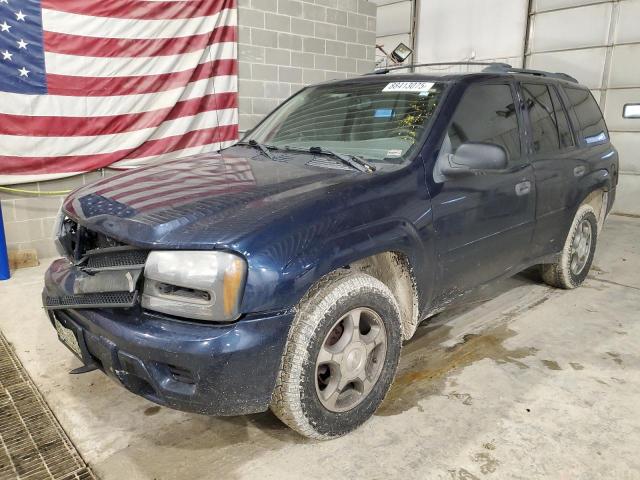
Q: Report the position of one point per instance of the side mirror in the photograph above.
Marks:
(473, 157)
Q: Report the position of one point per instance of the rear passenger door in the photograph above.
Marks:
(552, 152)
(484, 222)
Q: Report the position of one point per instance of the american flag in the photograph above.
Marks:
(88, 83)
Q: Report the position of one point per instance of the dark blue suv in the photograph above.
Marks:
(287, 270)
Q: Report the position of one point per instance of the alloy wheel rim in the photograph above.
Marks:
(581, 247)
(350, 359)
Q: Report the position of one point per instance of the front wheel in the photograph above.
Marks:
(341, 356)
(577, 255)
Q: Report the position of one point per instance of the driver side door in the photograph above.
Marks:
(484, 219)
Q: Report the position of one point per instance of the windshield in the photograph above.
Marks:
(378, 121)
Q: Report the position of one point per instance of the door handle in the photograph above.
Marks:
(579, 171)
(523, 188)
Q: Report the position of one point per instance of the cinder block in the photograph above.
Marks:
(314, 12)
(338, 49)
(364, 66)
(35, 208)
(335, 75)
(326, 62)
(366, 38)
(265, 38)
(339, 17)
(303, 60)
(248, 17)
(346, 65)
(251, 88)
(301, 26)
(328, 3)
(314, 45)
(348, 5)
(346, 34)
(46, 248)
(244, 34)
(263, 106)
(277, 56)
(25, 231)
(356, 51)
(8, 210)
(251, 53)
(325, 30)
(310, 76)
(290, 42)
(356, 20)
(290, 74)
(276, 90)
(367, 7)
(15, 232)
(290, 7)
(266, 5)
(281, 23)
(245, 105)
(264, 72)
(244, 70)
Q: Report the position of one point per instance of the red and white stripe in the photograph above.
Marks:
(128, 81)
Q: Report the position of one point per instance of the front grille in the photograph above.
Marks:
(92, 300)
(115, 259)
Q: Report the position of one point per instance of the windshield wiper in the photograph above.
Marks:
(263, 148)
(351, 160)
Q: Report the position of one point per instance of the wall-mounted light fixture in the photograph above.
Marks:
(631, 110)
(401, 53)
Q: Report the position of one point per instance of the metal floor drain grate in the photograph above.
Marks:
(32, 443)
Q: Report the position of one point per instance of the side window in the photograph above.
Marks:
(593, 128)
(487, 114)
(537, 101)
(564, 129)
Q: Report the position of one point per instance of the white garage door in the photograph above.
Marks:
(599, 44)
(394, 25)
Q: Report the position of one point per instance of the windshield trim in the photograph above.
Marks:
(412, 153)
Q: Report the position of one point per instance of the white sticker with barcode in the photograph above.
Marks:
(408, 87)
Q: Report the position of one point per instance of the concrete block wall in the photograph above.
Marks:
(283, 45)
(286, 44)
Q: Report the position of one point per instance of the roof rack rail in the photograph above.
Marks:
(383, 71)
(490, 67)
(505, 68)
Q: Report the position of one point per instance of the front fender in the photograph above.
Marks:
(272, 290)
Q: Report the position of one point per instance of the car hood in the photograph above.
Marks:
(205, 201)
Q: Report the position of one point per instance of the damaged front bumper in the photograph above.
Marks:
(216, 369)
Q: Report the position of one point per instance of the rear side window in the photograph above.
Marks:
(564, 129)
(544, 127)
(486, 114)
(592, 126)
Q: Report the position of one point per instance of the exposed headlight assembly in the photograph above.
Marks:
(194, 284)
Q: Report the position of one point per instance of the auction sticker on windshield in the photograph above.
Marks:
(408, 87)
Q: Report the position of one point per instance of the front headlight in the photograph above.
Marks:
(194, 284)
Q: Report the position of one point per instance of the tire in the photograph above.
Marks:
(565, 273)
(320, 326)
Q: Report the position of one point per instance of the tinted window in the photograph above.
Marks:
(564, 129)
(486, 114)
(538, 103)
(593, 128)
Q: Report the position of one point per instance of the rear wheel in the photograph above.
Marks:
(341, 356)
(577, 255)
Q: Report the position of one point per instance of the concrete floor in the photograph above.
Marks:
(523, 382)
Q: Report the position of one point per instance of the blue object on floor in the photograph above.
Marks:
(4, 257)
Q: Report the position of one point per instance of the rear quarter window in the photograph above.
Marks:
(592, 126)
